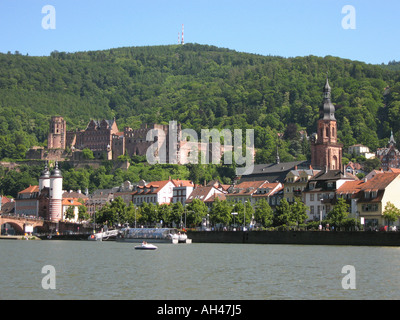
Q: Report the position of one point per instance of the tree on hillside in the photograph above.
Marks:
(87, 154)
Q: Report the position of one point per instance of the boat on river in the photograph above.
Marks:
(157, 235)
(106, 235)
(146, 246)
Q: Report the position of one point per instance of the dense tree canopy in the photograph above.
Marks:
(200, 86)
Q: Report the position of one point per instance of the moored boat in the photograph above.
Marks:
(158, 235)
(180, 238)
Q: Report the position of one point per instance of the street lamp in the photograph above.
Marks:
(185, 216)
(244, 215)
(234, 215)
(135, 215)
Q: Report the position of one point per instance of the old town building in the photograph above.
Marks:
(389, 156)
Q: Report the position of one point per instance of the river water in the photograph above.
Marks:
(112, 270)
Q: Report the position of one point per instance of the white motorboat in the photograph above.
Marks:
(146, 246)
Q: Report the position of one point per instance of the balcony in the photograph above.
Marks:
(297, 193)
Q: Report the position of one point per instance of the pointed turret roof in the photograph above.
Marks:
(327, 112)
(45, 173)
(391, 140)
(56, 172)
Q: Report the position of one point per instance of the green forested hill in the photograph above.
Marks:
(199, 86)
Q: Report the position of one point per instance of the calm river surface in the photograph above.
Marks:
(112, 270)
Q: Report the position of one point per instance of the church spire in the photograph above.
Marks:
(328, 109)
(391, 140)
(277, 158)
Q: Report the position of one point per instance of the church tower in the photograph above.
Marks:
(326, 152)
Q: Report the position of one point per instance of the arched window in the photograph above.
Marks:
(335, 163)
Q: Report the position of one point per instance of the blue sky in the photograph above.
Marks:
(286, 28)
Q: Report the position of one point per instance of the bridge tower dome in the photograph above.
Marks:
(44, 179)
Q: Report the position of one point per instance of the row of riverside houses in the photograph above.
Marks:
(318, 183)
(318, 189)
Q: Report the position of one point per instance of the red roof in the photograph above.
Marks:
(30, 189)
(220, 196)
(182, 183)
(157, 186)
(71, 202)
(380, 181)
(350, 187)
(271, 186)
(378, 184)
(5, 200)
(246, 188)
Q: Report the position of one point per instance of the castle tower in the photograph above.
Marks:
(57, 133)
(44, 179)
(55, 201)
(326, 152)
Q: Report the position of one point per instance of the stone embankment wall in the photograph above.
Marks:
(298, 237)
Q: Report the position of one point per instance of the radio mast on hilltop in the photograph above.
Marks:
(182, 41)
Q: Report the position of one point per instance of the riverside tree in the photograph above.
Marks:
(221, 212)
(244, 211)
(195, 212)
(391, 213)
(282, 214)
(339, 213)
(263, 213)
(112, 213)
(299, 211)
